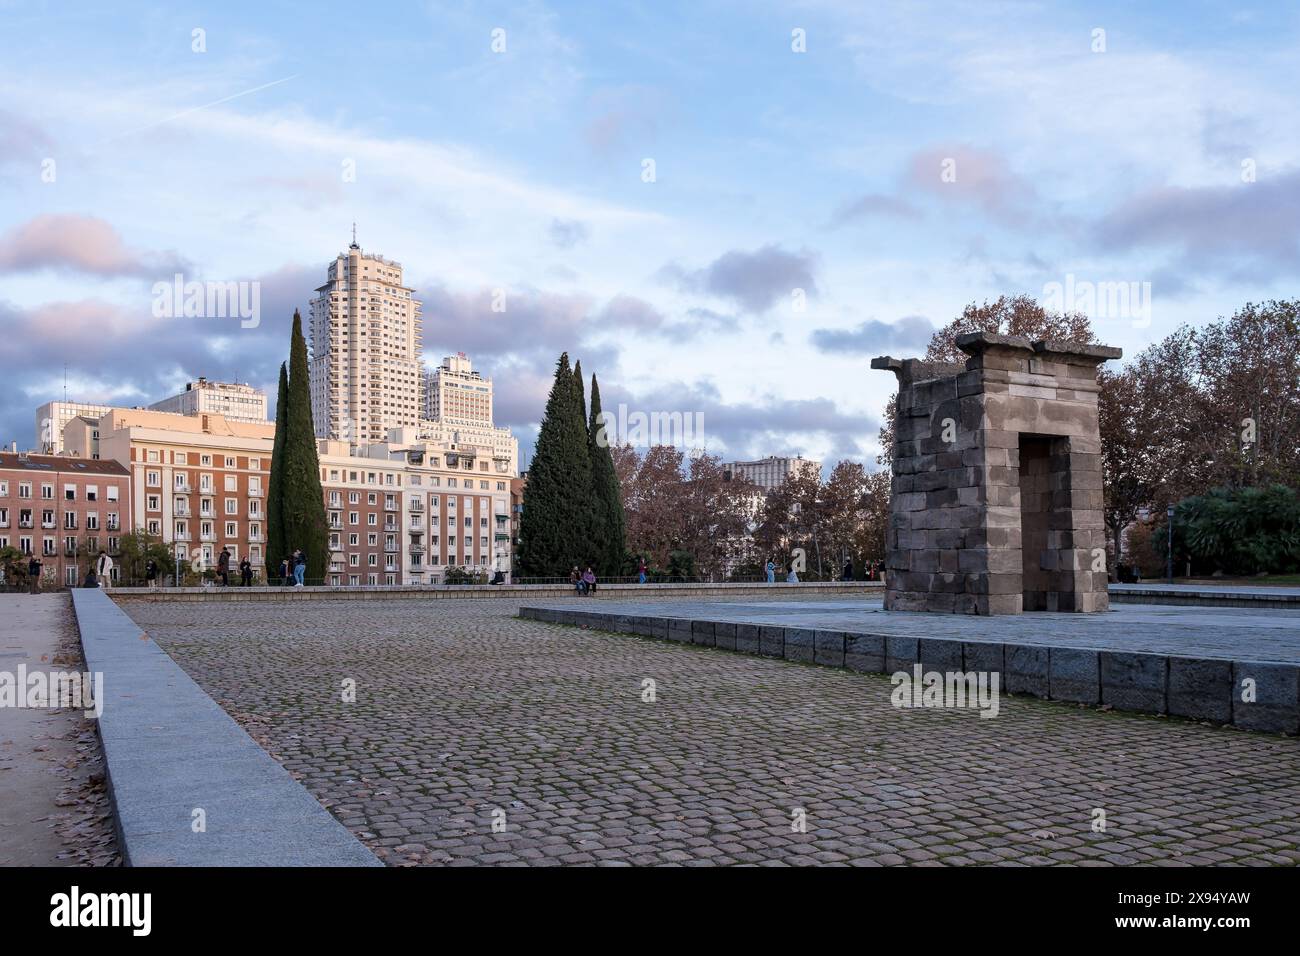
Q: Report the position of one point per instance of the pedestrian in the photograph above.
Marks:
(223, 566)
(641, 571)
(575, 579)
(151, 573)
(104, 569)
(848, 570)
(299, 567)
(284, 571)
(91, 580)
(792, 578)
(589, 580)
(771, 572)
(34, 575)
(246, 572)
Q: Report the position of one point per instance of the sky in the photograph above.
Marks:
(722, 209)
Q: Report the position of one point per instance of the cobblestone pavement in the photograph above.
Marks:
(466, 716)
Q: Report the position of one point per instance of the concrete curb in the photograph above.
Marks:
(1207, 689)
(170, 750)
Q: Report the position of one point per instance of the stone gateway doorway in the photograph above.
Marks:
(996, 496)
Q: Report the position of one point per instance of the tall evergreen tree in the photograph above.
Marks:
(274, 492)
(611, 527)
(589, 527)
(559, 479)
(302, 500)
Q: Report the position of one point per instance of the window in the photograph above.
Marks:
(92, 492)
(232, 506)
(154, 527)
(205, 460)
(153, 479)
(354, 517)
(153, 503)
(152, 456)
(112, 493)
(231, 482)
(255, 464)
(232, 529)
(182, 458)
(24, 489)
(92, 520)
(230, 462)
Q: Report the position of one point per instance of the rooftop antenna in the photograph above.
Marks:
(354, 236)
(65, 381)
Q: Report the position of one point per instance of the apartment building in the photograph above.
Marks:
(238, 402)
(771, 472)
(52, 417)
(197, 482)
(366, 364)
(64, 510)
(403, 511)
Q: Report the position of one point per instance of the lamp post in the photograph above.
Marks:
(1169, 559)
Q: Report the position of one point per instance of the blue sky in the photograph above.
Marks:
(522, 170)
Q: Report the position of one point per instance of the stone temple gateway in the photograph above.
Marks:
(997, 502)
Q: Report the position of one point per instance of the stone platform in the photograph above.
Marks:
(1152, 658)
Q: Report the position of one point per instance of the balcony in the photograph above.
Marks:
(258, 538)
(113, 526)
(256, 493)
(183, 488)
(207, 536)
(183, 536)
(49, 525)
(417, 504)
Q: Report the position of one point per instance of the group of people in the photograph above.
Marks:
(293, 569)
(583, 582)
(223, 569)
(792, 577)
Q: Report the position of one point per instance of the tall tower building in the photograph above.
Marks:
(366, 354)
(454, 392)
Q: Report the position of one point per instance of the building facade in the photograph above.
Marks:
(237, 402)
(63, 510)
(772, 472)
(458, 413)
(52, 417)
(196, 482)
(366, 364)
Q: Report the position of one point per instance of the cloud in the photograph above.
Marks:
(567, 233)
(972, 176)
(753, 280)
(1249, 230)
(86, 244)
(872, 206)
(911, 333)
(21, 140)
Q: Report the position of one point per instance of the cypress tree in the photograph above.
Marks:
(559, 477)
(302, 500)
(589, 527)
(610, 544)
(274, 509)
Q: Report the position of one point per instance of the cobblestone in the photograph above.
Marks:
(466, 716)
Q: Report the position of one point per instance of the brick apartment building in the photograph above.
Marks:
(64, 510)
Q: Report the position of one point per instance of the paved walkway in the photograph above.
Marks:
(52, 813)
(466, 717)
(1203, 632)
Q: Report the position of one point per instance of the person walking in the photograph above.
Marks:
(299, 567)
(848, 570)
(792, 577)
(104, 569)
(771, 572)
(589, 580)
(641, 571)
(223, 566)
(34, 575)
(151, 573)
(246, 572)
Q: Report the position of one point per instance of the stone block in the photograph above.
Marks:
(724, 635)
(1135, 681)
(1074, 675)
(800, 644)
(1276, 687)
(747, 638)
(900, 653)
(829, 648)
(702, 633)
(979, 656)
(771, 641)
(939, 655)
(679, 630)
(1200, 689)
(864, 653)
(1026, 670)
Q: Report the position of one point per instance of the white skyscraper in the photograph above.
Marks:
(366, 354)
